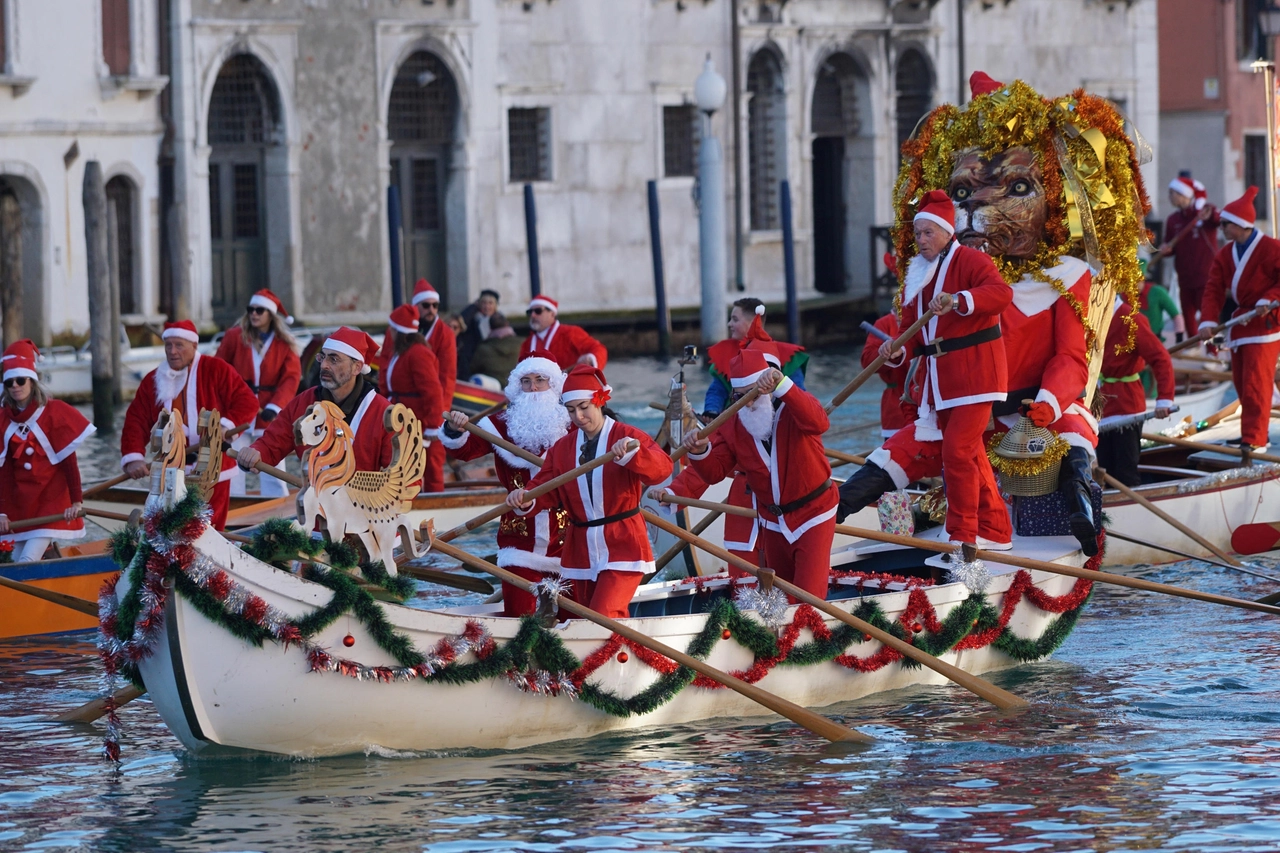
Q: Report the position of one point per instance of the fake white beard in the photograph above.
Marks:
(919, 272)
(758, 418)
(537, 419)
(169, 383)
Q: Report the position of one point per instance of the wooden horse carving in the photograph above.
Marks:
(168, 447)
(366, 504)
(209, 461)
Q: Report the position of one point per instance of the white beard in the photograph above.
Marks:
(537, 419)
(919, 272)
(169, 383)
(757, 418)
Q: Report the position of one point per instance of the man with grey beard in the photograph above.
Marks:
(535, 419)
(777, 442)
(344, 362)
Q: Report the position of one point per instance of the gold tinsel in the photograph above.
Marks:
(1017, 115)
(1053, 454)
(933, 503)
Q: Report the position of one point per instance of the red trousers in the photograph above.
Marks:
(805, 562)
(515, 601)
(971, 487)
(433, 474)
(1253, 370)
(609, 594)
(219, 503)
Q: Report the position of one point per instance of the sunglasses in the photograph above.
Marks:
(532, 311)
(256, 309)
(19, 381)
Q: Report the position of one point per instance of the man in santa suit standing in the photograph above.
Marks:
(1197, 222)
(606, 549)
(1121, 387)
(1248, 268)
(777, 442)
(564, 344)
(344, 362)
(188, 382)
(439, 337)
(410, 374)
(535, 420)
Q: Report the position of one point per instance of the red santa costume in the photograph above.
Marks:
(39, 474)
(412, 377)
(894, 412)
(441, 339)
(1194, 252)
(363, 409)
(535, 420)
(606, 549)
(562, 343)
(272, 370)
(791, 360)
(777, 443)
(207, 383)
(1250, 271)
(1124, 396)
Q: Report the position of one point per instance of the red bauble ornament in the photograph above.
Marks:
(866, 637)
(348, 641)
(917, 628)
(623, 657)
(726, 634)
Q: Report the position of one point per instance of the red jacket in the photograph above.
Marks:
(616, 487)
(413, 378)
(1193, 254)
(1121, 384)
(894, 413)
(564, 344)
(211, 384)
(272, 374)
(1252, 279)
(444, 344)
(39, 474)
(740, 533)
(372, 445)
(793, 467)
(527, 542)
(975, 374)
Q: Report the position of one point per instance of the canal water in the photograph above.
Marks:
(1155, 727)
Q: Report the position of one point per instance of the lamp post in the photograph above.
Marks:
(1269, 25)
(708, 95)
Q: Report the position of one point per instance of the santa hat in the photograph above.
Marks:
(534, 364)
(405, 319)
(768, 349)
(543, 302)
(183, 330)
(980, 83)
(756, 332)
(891, 263)
(1240, 212)
(424, 292)
(266, 299)
(19, 364)
(1183, 185)
(746, 367)
(354, 343)
(1202, 195)
(25, 347)
(585, 382)
(936, 207)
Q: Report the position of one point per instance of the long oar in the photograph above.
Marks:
(870, 370)
(91, 711)
(985, 689)
(676, 549)
(1207, 334)
(1008, 559)
(844, 458)
(815, 723)
(499, 441)
(278, 473)
(1168, 519)
(71, 602)
(719, 420)
(1212, 448)
(1188, 555)
(103, 486)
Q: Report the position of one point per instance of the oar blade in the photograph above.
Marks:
(1256, 538)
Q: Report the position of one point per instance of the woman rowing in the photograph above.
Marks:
(606, 550)
(39, 474)
(409, 373)
(265, 355)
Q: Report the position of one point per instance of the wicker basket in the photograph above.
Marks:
(1028, 441)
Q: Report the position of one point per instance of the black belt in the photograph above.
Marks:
(1013, 401)
(260, 388)
(942, 346)
(792, 506)
(608, 519)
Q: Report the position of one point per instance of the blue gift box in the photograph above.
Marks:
(1047, 515)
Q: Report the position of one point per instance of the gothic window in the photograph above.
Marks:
(243, 110)
(423, 106)
(914, 81)
(766, 138)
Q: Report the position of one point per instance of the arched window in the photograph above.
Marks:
(120, 198)
(244, 109)
(842, 173)
(914, 81)
(766, 138)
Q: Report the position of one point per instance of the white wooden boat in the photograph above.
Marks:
(339, 691)
(1194, 405)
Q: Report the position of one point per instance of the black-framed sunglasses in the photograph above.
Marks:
(255, 309)
(17, 380)
(537, 310)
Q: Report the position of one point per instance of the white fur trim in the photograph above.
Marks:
(748, 381)
(334, 345)
(131, 457)
(783, 387)
(704, 453)
(263, 302)
(883, 460)
(1164, 404)
(574, 396)
(516, 557)
(965, 297)
(15, 372)
(1258, 339)
(62, 454)
(272, 407)
(180, 333)
(426, 296)
(933, 217)
(1183, 188)
(1031, 296)
(623, 460)
(454, 443)
(1235, 220)
(404, 330)
(539, 302)
(1205, 324)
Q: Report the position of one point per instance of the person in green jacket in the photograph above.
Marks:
(498, 354)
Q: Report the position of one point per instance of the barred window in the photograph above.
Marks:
(529, 143)
(766, 138)
(914, 80)
(244, 109)
(423, 106)
(680, 139)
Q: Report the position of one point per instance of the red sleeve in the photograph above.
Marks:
(432, 390)
(135, 435)
(648, 463)
(583, 344)
(688, 484)
(290, 377)
(1272, 293)
(1153, 352)
(277, 439)
(71, 471)
(227, 347)
(1215, 288)
(809, 415)
(549, 471)
(472, 447)
(987, 290)
(717, 464)
(447, 360)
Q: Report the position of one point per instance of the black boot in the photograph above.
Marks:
(1073, 485)
(863, 489)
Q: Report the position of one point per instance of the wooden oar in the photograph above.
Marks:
(1217, 417)
(870, 370)
(719, 420)
(1189, 556)
(40, 520)
(697, 503)
(1208, 334)
(1008, 559)
(91, 711)
(1168, 519)
(844, 458)
(1211, 448)
(484, 413)
(1194, 373)
(499, 441)
(278, 473)
(676, 549)
(108, 484)
(71, 602)
(815, 723)
(985, 689)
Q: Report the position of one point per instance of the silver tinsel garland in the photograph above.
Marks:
(771, 605)
(974, 575)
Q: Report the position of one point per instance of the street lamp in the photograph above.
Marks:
(1269, 26)
(708, 95)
